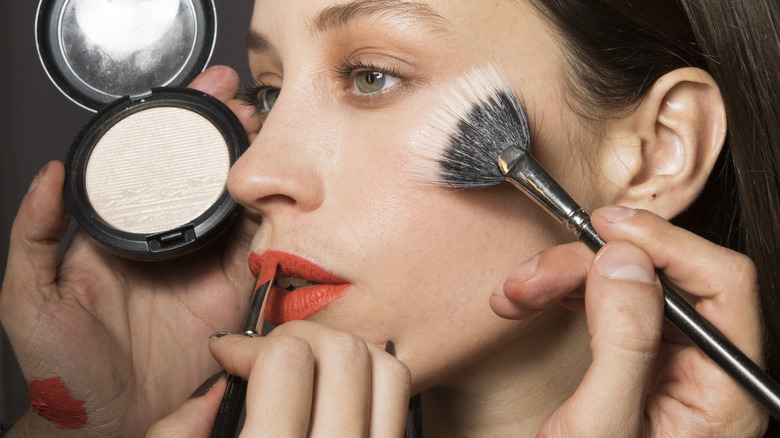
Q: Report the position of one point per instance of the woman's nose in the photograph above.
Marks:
(280, 169)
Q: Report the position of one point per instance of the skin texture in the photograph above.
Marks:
(429, 268)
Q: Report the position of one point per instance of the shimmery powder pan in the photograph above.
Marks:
(147, 175)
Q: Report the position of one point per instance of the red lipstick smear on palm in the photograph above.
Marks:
(51, 400)
(283, 305)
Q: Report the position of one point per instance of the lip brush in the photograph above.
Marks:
(229, 414)
(486, 140)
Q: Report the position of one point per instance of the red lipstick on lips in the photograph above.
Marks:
(301, 303)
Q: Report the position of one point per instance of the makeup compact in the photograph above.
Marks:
(147, 175)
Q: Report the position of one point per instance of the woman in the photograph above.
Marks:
(343, 89)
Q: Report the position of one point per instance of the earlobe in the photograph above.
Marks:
(675, 137)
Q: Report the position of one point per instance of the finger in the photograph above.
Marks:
(219, 81)
(361, 390)
(691, 262)
(342, 391)
(624, 308)
(280, 375)
(725, 280)
(391, 385)
(555, 274)
(224, 83)
(195, 418)
(35, 238)
(351, 388)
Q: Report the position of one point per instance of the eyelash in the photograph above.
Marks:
(252, 96)
(349, 67)
(253, 93)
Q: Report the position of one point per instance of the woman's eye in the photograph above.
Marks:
(373, 81)
(268, 98)
(262, 97)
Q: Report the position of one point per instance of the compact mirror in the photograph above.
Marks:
(96, 51)
(147, 176)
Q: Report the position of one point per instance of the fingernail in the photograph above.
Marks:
(390, 347)
(519, 275)
(218, 335)
(625, 262)
(38, 176)
(616, 213)
(206, 386)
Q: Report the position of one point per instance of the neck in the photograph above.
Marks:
(514, 390)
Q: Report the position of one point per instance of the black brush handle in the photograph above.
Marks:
(229, 414)
(520, 168)
(709, 339)
(414, 418)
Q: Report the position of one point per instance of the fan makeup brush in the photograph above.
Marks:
(479, 137)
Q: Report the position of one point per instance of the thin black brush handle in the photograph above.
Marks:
(710, 340)
(522, 170)
(229, 414)
(414, 418)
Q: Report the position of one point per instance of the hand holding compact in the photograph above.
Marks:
(94, 320)
(646, 378)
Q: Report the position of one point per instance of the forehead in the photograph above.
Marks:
(343, 14)
(324, 10)
(490, 24)
(320, 17)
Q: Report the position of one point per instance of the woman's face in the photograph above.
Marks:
(330, 171)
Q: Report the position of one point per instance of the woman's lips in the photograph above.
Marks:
(283, 306)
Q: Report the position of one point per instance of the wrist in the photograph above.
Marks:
(33, 425)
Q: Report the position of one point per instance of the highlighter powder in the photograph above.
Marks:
(156, 170)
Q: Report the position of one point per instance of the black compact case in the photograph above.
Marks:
(146, 176)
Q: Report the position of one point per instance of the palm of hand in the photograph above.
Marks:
(686, 395)
(130, 338)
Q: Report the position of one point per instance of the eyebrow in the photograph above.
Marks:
(341, 16)
(257, 42)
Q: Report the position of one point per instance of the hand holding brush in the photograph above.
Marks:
(229, 414)
(480, 138)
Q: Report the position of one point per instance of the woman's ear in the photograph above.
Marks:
(659, 157)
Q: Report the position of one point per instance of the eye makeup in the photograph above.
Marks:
(147, 176)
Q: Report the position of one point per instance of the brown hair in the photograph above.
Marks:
(617, 49)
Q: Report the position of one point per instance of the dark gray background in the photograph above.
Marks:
(37, 124)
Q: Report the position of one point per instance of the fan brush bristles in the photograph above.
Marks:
(476, 120)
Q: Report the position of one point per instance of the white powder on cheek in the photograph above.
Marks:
(156, 170)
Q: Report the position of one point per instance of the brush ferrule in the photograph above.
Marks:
(509, 158)
(256, 314)
(521, 169)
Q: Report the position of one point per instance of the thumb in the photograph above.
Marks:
(35, 237)
(224, 83)
(195, 418)
(219, 81)
(624, 308)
